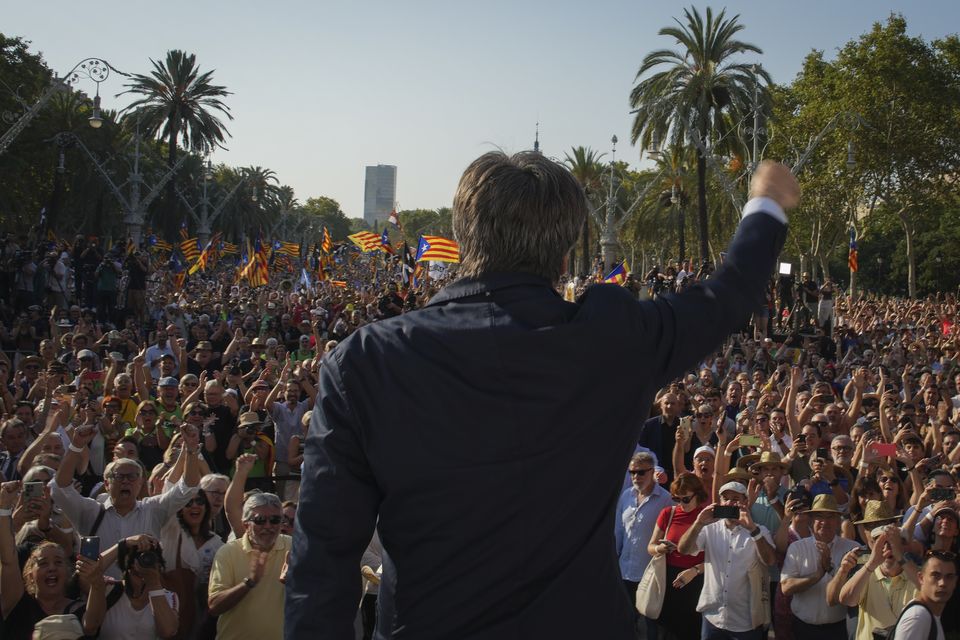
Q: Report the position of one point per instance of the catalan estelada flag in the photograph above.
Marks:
(184, 234)
(438, 249)
(156, 244)
(618, 275)
(206, 255)
(852, 256)
(291, 249)
(385, 242)
(190, 249)
(256, 272)
(228, 248)
(366, 240)
(327, 241)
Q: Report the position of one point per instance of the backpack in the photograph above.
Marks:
(888, 632)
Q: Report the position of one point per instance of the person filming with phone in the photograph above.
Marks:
(121, 514)
(734, 601)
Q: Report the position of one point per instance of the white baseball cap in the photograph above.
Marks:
(734, 486)
(705, 449)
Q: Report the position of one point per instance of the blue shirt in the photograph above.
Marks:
(634, 527)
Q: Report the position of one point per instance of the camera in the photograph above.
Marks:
(148, 559)
(249, 431)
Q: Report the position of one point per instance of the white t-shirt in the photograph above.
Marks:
(123, 622)
(915, 625)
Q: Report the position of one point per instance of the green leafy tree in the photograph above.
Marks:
(328, 213)
(697, 93)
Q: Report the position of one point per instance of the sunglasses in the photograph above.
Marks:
(942, 555)
(683, 499)
(886, 479)
(200, 502)
(639, 472)
(197, 413)
(261, 520)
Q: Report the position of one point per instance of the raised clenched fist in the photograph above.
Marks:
(775, 181)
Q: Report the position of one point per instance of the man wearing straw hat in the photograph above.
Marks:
(809, 566)
(767, 509)
(885, 583)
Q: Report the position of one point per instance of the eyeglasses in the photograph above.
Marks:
(763, 419)
(683, 499)
(200, 502)
(705, 416)
(197, 413)
(261, 520)
(844, 447)
(639, 472)
(125, 477)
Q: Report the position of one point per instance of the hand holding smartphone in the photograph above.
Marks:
(726, 511)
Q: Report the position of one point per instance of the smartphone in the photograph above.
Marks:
(863, 554)
(748, 440)
(90, 547)
(883, 449)
(823, 453)
(32, 490)
(822, 398)
(941, 493)
(726, 511)
(668, 543)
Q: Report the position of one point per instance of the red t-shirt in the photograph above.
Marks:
(682, 520)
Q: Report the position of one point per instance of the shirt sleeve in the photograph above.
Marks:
(79, 510)
(322, 586)
(169, 502)
(915, 623)
(791, 564)
(221, 573)
(701, 540)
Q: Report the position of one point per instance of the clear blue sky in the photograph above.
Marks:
(322, 88)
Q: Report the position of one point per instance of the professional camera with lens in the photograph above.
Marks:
(147, 559)
(249, 431)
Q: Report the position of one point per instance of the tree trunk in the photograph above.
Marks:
(911, 258)
(170, 224)
(681, 224)
(585, 235)
(702, 206)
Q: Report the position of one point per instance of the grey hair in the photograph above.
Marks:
(120, 462)
(518, 213)
(34, 471)
(258, 500)
(210, 478)
(642, 456)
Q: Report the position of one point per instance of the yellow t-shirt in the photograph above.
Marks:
(260, 614)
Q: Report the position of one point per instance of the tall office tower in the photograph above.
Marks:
(379, 193)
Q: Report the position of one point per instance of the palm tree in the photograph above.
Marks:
(699, 95)
(179, 103)
(675, 163)
(585, 166)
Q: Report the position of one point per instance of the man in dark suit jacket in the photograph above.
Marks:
(486, 435)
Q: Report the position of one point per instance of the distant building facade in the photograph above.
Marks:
(379, 193)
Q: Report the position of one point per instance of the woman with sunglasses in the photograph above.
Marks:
(152, 439)
(891, 486)
(679, 615)
(188, 543)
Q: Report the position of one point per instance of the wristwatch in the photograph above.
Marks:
(248, 583)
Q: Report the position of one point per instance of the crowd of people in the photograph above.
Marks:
(801, 480)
